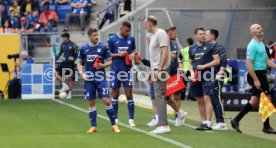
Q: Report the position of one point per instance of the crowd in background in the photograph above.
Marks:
(17, 16)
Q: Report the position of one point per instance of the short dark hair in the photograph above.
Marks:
(152, 20)
(46, 5)
(65, 35)
(91, 30)
(197, 29)
(171, 29)
(190, 41)
(3, 4)
(126, 24)
(214, 32)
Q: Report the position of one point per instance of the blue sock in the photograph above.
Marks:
(130, 105)
(111, 114)
(115, 106)
(93, 116)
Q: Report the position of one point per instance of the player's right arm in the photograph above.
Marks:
(112, 50)
(250, 54)
(79, 65)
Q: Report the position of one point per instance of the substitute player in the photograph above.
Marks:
(203, 57)
(256, 63)
(211, 37)
(122, 46)
(95, 79)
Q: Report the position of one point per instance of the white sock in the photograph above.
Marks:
(156, 117)
(64, 84)
(208, 123)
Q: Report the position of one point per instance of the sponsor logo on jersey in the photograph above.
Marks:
(198, 56)
(122, 49)
(91, 58)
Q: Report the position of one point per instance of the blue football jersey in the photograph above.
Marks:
(89, 53)
(117, 44)
(201, 55)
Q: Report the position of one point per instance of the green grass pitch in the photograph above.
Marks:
(48, 124)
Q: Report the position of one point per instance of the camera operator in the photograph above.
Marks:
(14, 89)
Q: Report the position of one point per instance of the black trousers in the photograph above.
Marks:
(14, 89)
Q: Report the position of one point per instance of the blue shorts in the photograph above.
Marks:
(120, 75)
(90, 88)
(202, 88)
(152, 96)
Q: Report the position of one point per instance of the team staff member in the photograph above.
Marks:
(202, 58)
(174, 99)
(160, 63)
(256, 63)
(70, 52)
(211, 37)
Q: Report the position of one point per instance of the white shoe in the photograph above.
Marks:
(152, 123)
(220, 126)
(69, 95)
(180, 119)
(64, 88)
(162, 130)
(131, 122)
(117, 121)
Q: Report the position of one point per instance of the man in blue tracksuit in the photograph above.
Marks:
(211, 37)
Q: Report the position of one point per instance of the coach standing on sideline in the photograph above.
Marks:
(160, 62)
(256, 63)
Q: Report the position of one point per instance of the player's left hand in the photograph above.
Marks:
(200, 67)
(99, 66)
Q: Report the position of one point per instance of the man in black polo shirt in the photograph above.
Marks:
(70, 51)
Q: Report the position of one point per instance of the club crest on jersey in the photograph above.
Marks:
(91, 58)
(204, 48)
(122, 49)
(86, 51)
(99, 50)
(129, 42)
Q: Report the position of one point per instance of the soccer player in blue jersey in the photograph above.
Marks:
(211, 37)
(203, 57)
(95, 79)
(121, 45)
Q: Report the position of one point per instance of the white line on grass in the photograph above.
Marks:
(127, 126)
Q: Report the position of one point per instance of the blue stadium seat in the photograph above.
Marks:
(62, 10)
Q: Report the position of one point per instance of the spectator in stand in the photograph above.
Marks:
(25, 26)
(27, 6)
(126, 8)
(33, 19)
(15, 8)
(7, 27)
(48, 19)
(80, 10)
(111, 12)
(3, 15)
(14, 22)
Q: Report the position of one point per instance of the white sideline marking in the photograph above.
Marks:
(127, 126)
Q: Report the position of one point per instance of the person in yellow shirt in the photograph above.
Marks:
(27, 6)
(14, 7)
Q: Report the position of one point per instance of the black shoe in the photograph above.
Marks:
(269, 130)
(82, 29)
(235, 125)
(204, 127)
